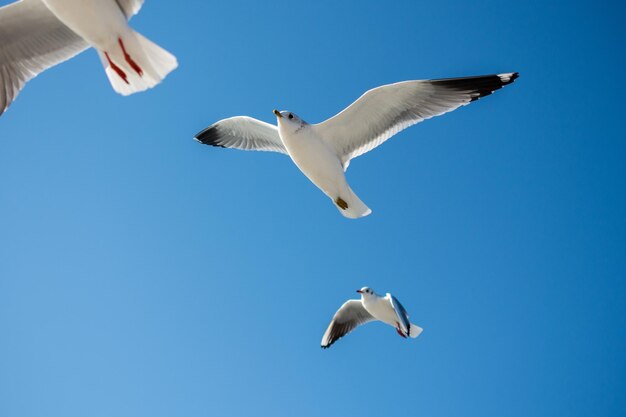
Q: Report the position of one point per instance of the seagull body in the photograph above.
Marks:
(319, 162)
(370, 307)
(323, 151)
(38, 34)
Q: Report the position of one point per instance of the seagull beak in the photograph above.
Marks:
(277, 113)
(359, 291)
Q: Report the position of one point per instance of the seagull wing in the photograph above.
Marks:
(242, 132)
(32, 40)
(351, 315)
(130, 7)
(401, 314)
(382, 112)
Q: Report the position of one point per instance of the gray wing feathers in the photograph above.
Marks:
(403, 316)
(244, 133)
(32, 39)
(351, 315)
(382, 112)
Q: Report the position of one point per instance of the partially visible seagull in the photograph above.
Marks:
(38, 34)
(370, 307)
(323, 151)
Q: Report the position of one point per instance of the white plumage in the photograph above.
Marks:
(38, 34)
(370, 307)
(323, 151)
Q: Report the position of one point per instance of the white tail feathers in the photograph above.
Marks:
(147, 64)
(415, 330)
(356, 208)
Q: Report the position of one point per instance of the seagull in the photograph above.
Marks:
(323, 151)
(370, 307)
(38, 34)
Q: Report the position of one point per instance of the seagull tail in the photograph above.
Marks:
(136, 63)
(415, 330)
(355, 207)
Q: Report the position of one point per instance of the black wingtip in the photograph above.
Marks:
(508, 78)
(209, 136)
(330, 343)
(514, 76)
(479, 86)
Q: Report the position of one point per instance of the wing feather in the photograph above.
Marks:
(382, 112)
(244, 133)
(32, 40)
(403, 316)
(351, 315)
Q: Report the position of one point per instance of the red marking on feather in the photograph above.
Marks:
(128, 59)
(117, 69)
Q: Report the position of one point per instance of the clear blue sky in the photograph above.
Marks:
(143, 274)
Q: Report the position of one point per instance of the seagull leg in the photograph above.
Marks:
(400, 332)
(341, 203)
(128, 59)
(117, 69)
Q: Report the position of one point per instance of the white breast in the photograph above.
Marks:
(315, 159)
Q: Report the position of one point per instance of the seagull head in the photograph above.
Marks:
(289, 121)
(366, 292)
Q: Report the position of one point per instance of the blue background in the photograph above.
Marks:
(143, 274)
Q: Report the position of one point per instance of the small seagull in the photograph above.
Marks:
(370, 307)
(323, 151)
(38, 34)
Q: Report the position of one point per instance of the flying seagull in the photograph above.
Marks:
(323, 151)
(38, 34)
(370, 307)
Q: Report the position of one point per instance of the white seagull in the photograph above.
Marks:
(370, 307)
(38, 34)
(323, 151)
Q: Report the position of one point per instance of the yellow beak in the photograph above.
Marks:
(277, 113)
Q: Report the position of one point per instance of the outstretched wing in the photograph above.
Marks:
(382, 112)
(403, 317)
(244, 133)
(351, 315)
(32, 40)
